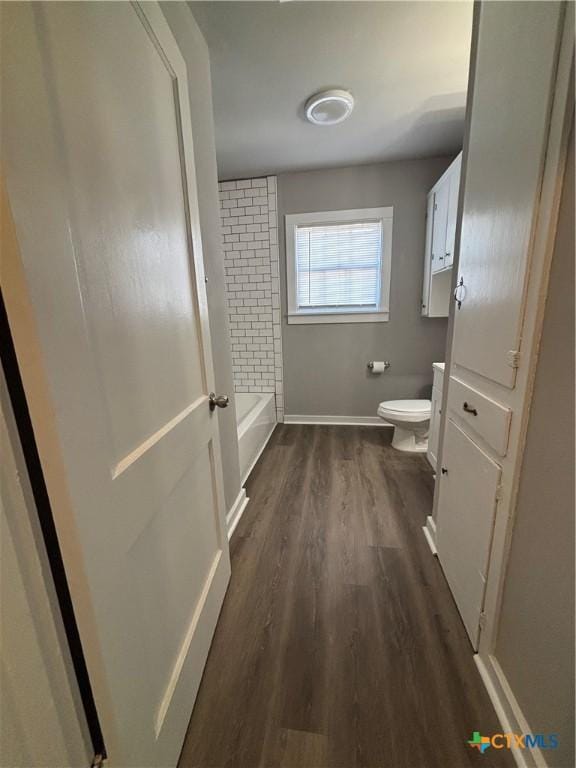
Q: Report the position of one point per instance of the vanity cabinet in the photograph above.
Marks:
(440, 239)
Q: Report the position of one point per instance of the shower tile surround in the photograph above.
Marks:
(250, 244)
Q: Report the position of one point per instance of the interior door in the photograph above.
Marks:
(504, 168)
(469, 482)
(104, 286)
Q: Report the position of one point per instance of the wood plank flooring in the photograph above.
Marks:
(338, 645)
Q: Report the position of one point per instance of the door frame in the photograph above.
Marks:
(43, 510)
(22, 322)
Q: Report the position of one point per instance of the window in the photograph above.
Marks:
(338, 266)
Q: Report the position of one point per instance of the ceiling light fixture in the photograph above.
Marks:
(329, 107)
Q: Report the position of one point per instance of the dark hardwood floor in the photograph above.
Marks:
(339, 644)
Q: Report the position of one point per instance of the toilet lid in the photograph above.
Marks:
(406, 406)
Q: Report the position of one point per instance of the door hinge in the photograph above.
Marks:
(482, 620)
(513, 358)
(499, 492)
(97, 761)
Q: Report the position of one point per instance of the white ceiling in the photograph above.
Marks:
(406, 63)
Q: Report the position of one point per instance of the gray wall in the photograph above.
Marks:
(536, 638)
(195, 53)
(325, 365)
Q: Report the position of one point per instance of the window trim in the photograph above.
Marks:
(298, 316)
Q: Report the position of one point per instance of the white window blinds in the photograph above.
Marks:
(338, 265)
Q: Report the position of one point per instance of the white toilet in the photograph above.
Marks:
(411, 422)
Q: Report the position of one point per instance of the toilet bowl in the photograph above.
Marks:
(411, 422)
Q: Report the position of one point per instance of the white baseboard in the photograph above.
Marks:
(236, 512)
(371, 421)
(430, 533)
(508, 710)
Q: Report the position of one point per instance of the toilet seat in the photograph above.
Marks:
(410, 411)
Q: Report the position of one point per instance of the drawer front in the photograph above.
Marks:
(486, 417)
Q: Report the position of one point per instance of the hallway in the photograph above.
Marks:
(338, 643)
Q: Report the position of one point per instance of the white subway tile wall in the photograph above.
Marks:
(250, 233)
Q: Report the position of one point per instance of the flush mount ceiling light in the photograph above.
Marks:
(329, 107)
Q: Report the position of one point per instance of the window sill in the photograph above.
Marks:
(346, 317)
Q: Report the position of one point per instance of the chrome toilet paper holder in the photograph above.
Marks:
(370, 365)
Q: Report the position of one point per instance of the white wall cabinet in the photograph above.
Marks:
(440, 238)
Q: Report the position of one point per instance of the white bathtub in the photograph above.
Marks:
(256, 417)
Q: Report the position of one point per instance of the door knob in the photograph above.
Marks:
(218, 400)
(460, 293)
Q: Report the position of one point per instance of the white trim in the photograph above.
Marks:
(508, 710)
(236, 511)
(176, 673)
(371, 421)
(310, 318)
(264, 444)
(380, 314)
(430, 534)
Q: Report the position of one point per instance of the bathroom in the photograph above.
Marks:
(340, 365)
(287, 291)
(321, 373)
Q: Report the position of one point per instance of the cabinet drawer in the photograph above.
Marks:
(485, 416)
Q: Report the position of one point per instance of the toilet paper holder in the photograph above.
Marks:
(370, 365)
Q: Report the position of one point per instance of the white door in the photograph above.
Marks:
(106, 297)
(507, 143)
(468, 492)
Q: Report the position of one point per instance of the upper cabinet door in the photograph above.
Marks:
(452, 210)
(509, 120)
(441, 196)
(428, 255)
